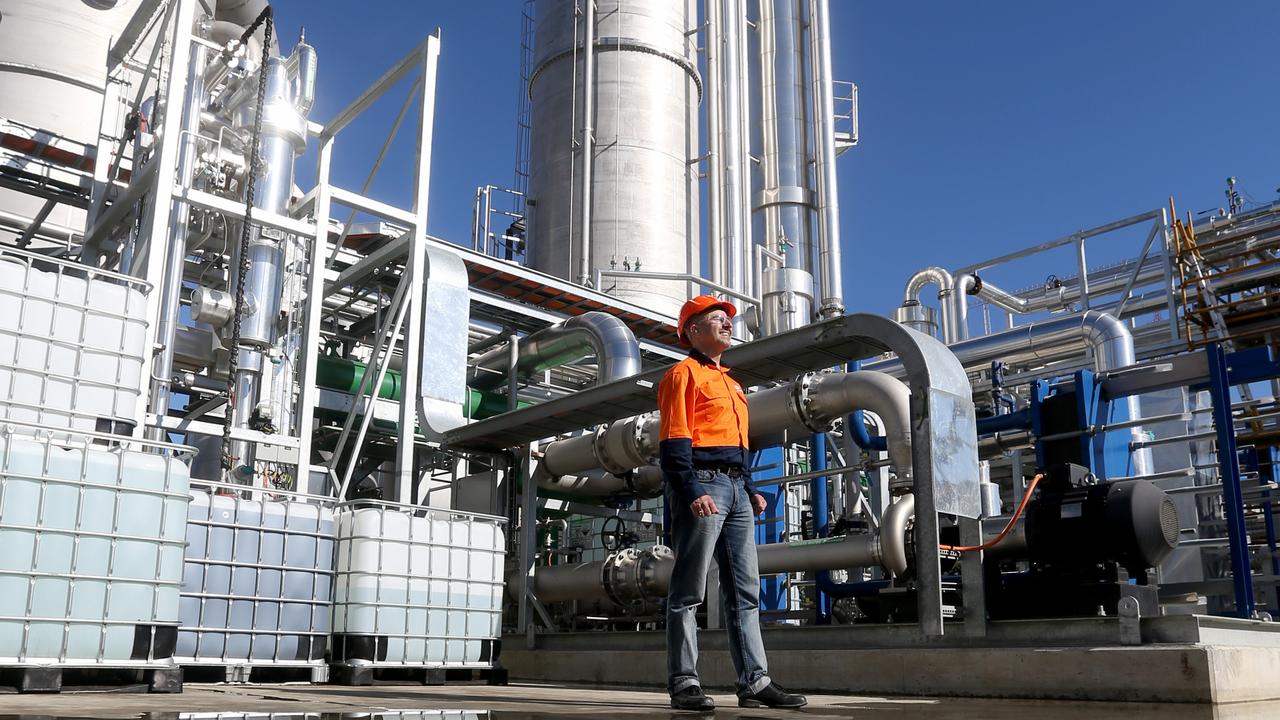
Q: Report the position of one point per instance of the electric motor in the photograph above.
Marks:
(1132, 523)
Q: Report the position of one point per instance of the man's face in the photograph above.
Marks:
(711, 332)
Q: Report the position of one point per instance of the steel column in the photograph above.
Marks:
(1229, 474)
(415, 271)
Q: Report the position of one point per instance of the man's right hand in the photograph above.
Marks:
(704, 507)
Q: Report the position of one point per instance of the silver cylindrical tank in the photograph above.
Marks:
(53, 67)
(53, 62)
(644, 192)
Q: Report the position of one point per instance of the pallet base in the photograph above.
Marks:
(262, 674)
(73, 679)
(372, 674)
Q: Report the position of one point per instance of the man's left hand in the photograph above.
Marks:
(759, 504)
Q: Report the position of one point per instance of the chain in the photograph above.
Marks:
(242, 268)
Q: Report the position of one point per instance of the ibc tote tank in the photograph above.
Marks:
(644, 191)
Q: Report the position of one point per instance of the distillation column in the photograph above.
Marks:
(614, 96)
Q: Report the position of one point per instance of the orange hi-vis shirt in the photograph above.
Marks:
(704, 423)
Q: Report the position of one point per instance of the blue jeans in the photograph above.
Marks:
(729, 537)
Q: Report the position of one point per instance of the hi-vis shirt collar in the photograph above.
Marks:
(702, 358)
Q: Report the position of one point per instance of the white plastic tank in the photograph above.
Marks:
(72, 343)
(257, 582)
(420, 588)
(92, 540)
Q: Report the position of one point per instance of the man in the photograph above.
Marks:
(704, 458)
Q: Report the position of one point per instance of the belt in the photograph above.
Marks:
(733, 471)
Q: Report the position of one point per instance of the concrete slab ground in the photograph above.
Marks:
(535, 702)
(1186, 659)
(1180, 674)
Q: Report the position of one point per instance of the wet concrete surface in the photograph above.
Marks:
(535, 702)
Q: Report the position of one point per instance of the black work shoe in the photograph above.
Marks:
(773, 696)
(692, 698)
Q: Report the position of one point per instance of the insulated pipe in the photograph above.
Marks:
(1106, 337)
(644, 482)
(737, 186)
(785, 201)
(717, 253)
(966, 285)
(591, 581)
(596, 334)
(804, 406)
(831, 279)
(946, 284)
(171, 291)
(893, 534)
(1051, 299)
(587, 141)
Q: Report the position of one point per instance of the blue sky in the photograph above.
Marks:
(986, 126)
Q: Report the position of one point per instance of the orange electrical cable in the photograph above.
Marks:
(1012, 521)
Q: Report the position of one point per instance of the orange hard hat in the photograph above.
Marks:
(696, 307)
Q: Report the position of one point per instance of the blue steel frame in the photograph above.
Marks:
(1220, 382)
(772, 526)
(1096, 407)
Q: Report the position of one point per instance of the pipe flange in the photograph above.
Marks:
(648, 577)
(644, 436)
(621, 578)
(802, 403)
(600, 446)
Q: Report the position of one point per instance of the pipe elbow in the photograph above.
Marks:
(877, 392)
(597, 334)
(616, 348)
(928, 276)
(1110, 339)
(893, 534)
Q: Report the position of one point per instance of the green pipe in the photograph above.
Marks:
(344, 375)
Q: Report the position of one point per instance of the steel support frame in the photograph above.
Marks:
(423, 58)
(1214, 369)
(156, 181)
(1229, 474)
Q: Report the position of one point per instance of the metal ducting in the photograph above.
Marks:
(634, 575)
(594, 334)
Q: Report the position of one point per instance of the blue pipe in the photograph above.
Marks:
(1018, 420)
(855, 424)
(818, 490)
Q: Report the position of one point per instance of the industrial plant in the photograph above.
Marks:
(257, 425)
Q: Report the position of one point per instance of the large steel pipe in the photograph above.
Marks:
(831, 279)
(645, 482)
(804, 406)
(609, 581)
(596, 334)
(1108, 339)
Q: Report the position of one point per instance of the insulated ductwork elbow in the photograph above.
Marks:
(811, 403)
(593, 334)
(911, 301)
